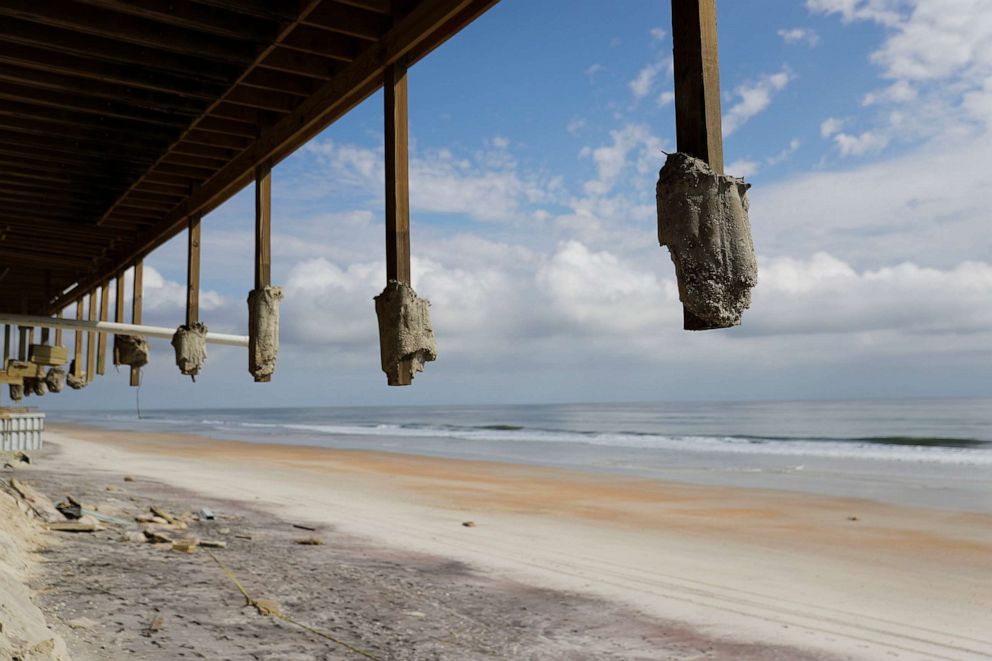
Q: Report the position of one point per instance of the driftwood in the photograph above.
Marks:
(263, 331)
(131, 350)
(702, 218)
(190, 343)
(406, 338)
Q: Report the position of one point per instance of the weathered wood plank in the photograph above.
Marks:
(101, 351)
(77, 363)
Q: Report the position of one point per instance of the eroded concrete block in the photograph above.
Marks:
(16, 392)
(131, 350)
(702, 218)
(190, 343)
(406, 338)
(263, 331)
(55, 378)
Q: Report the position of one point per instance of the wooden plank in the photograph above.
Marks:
(77, 363)
(58, 331)
(101, 350)
(397, 175)
(263, 226)
(118, 306)
(136, 296)
(353, 21)
(193, 273)
(697, 81)
(194, 16)
(91, 339)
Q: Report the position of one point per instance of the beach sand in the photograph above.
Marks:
(723, 572)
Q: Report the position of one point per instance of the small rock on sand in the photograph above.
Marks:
(468, 524)
(82, 623)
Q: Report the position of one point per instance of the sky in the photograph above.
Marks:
(537, 133)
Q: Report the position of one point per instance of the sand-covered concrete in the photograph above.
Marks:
(840, 578)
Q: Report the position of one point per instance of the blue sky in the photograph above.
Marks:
(537, 134)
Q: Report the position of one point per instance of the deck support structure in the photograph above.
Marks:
(698, 130)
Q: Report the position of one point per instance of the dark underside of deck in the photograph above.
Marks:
(121, 119)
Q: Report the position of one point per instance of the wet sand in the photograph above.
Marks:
(766, 569)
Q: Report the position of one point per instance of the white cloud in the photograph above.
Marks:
(861, 144)
(885, 12)
(665, 98)
(658, 34)
(593, 69)
(830, 126)
(900, 91)
(754, 97)
(612, 159)
(786, 153)
(806, 36)
(641, 85)
(743, 168)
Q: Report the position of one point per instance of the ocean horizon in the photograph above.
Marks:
(925, 452)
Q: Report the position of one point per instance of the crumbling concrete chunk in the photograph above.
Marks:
(406, 338)
(131, 350)
(263, 331)
(16, 391)
(75, 382)
(190, 343)
(702, 218)
(55, 379)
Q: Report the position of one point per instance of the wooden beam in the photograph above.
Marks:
(193, 273)
(397, 176)
(263, 226)
(101, 351)
(353, 21)
(697, 81)
(117, 27)
(136, 295)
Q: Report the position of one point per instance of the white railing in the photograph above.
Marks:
(20, 430)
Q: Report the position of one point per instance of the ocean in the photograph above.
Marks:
(927, 452)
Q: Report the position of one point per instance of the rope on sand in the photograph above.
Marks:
(268, 607)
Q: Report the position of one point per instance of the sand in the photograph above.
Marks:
(766, 570)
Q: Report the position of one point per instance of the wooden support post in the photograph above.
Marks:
(698, 129)
(119, 300)
(58, 331)
(77, 362)
(48, 298)
(139, 270)
(697, 81)
(397, 176)
(6, 344)
(193, 273)
(22, 336)
(397, 132)
(101, 351)
(263, 226)
(91, 340)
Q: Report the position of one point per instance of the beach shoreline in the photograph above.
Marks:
(840, 576)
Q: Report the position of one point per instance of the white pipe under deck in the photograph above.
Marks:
(113, 327)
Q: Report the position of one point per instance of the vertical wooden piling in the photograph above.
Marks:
(263, 226)
(193, 273)
(45, 333)
(397, 176)
(101, 351)
(139, 270)
(698, 131)
(91, 340)
(77, 362)
(118, 308)
(697, 81)
(58, 331)
(397, 133)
